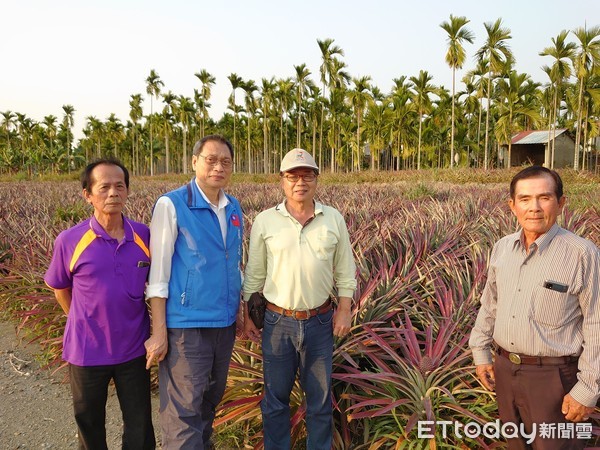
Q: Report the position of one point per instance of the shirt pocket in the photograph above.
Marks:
(325, 246)
(136, 282)
(551, 308)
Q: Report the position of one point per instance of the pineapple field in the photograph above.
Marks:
(421, 242)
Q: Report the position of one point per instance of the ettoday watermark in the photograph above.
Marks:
(496, 430)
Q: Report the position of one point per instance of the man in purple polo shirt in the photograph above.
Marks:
(98, 273)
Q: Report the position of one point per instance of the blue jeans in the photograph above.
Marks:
(289, 346)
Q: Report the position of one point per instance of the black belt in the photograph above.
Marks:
(300, 314)
(517, 358)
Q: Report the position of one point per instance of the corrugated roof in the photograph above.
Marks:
(534, 137)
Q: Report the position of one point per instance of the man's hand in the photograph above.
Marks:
(156, 348)
(575, 411)
(485, 372)
(250, 330)
(158, 344)
(239, 320)
(342, 317)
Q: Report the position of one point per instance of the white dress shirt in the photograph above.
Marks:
(163, 234)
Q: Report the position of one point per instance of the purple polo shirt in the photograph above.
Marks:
(108, 320)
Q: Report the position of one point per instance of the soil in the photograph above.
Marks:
(35, 405)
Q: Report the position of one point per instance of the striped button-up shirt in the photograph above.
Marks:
(544, 302)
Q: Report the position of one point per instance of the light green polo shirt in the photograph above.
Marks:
(298, 266)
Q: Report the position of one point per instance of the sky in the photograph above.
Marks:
(95, 54)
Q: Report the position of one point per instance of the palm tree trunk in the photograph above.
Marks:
(585, 136)
(339, 138)
(332, 159)
(248, 145)
(167, 152)
(419, 146)
(151, 140)
(137, 154)
(68, 153)
(509, 162)
(554, 124)
(185, 158)
(321, 137)
(133, 149)
(548, 152)
(333, 146)
(452, 125)
(234, 131)
(266, 159)
(280, 137)
(314, 137)
(287, 145)
(299, 126)
(578, 126)
(358, 158)
(479, 132)
(399, 155)
(487, 123)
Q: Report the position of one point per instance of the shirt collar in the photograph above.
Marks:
(223, 200)
(544, 240)
(101, 232)
(284, 212)
(541, 242)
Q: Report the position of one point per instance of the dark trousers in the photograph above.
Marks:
(89, 386)
(533, 395)
(192, 380)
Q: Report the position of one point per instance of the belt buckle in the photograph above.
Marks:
(299, 315)
(514, 358)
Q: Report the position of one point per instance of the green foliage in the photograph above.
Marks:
(420, 190)
(71, 213)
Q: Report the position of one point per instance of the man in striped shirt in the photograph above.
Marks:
(539, 315)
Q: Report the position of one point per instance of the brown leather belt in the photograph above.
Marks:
(300, 314)
(517, 358)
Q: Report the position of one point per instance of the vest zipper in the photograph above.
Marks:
(183, 298)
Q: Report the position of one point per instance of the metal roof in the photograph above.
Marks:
(535, 137)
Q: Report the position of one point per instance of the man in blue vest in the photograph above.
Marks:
(194, 292)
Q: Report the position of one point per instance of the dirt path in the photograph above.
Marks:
(35, 407)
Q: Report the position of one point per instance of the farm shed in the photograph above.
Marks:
(529, 147)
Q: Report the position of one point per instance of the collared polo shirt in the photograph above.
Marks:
(298, 266)
(108, 319)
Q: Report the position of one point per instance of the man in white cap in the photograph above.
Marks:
(299, 250)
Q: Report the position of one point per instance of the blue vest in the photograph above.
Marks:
(205, 284)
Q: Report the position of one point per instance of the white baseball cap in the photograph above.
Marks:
(298, 158)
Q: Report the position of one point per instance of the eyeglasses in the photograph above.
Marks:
(212, 161)
(307, 177)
